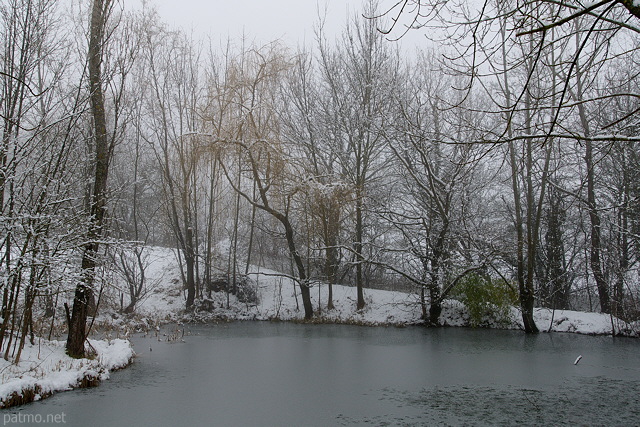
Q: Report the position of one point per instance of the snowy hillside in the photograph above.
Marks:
(279, 298)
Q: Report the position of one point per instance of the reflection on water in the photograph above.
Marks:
(285, 374)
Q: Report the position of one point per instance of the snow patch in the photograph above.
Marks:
(45, 368)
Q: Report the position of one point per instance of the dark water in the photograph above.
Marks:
(270, 374)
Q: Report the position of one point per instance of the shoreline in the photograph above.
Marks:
(38, 388)
(45, 369)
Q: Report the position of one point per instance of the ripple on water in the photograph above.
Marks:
(590, 401)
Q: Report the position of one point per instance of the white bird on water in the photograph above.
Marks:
(577, 360)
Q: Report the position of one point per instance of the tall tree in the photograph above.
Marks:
(438, 174)
(360, 76)
(310, 123)
(242, 114)
(251, 131)
(39, 110)
(173, 66)
(536, 108)
(100, 11)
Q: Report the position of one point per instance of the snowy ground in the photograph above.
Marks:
(279, 298)
(45, 368)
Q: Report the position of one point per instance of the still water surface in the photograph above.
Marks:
(281, 374)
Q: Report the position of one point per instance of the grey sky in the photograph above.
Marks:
(291, 21)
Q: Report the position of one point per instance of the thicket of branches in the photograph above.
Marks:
(507, 156)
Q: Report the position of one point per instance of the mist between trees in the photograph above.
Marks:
(503, 156)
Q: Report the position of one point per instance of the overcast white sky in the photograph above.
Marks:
(262, 21)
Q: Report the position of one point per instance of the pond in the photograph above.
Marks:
(277, 374)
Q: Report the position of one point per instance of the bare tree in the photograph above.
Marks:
(538, 73)
(436, 185)
(100, 11)
(172, 131)
(249, 129)
(311, 124)
(360, 76)
(39, 208)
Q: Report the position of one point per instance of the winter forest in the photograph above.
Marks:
(498, 165)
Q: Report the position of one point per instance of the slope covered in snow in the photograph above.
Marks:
(279, 298)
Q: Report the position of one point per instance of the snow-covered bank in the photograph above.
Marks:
(582, 323)
(279, 298)
(44, 369)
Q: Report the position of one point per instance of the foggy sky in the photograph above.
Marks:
(262, 21)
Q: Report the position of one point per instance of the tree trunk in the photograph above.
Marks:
(331, 230)
(302, 275)
(595, 249)
(527, 290)
(524, 283)
(595, 260)
(189, 258)
(84, 289)
(435, 305)
(358, 250)
(283, 218)
(435, 284)
(617, 303)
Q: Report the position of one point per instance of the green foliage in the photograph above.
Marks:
(488, 301)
